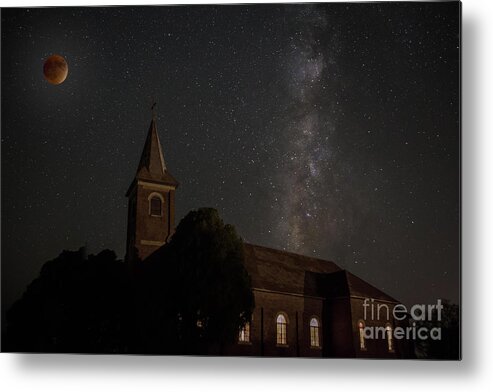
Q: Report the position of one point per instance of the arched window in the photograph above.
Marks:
(155, 205)
(281, 329)
(244, 336)
(361, 328)
(314, 332)
(390, 342)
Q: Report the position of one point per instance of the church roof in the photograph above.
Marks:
(345, 284)
(152, 166)
(361, 288)
(276, 270)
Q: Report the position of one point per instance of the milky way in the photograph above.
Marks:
(330, 130)
(307, 128)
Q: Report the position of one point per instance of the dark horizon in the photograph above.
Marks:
(330, 130)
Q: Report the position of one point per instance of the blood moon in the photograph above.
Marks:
(55, 69)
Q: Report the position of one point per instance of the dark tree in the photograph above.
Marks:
(448, 347)
(201, 293)
(77, 304)
(190, 297)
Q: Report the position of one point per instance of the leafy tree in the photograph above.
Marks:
(207, 295)
(448, 347)
(77, 304)
(191, 296)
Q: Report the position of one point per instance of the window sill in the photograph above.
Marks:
(316, 347)
(244, 343)
(282, 345)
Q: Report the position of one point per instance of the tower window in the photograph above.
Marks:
(281, 324)
(314, 333)
(156, 205)
(244, 336)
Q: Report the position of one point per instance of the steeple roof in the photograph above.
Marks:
(152, 166)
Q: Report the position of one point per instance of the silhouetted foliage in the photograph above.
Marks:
(448, 347)
(209, 288)
(77, 304)
(189, 297)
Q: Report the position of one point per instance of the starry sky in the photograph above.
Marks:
(330, 130)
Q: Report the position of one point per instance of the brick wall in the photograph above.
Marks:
(263, 329)
(144, 227)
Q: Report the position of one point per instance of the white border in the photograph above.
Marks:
(134, 373)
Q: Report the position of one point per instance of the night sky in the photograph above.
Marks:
(327, 130)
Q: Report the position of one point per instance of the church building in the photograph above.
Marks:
(304, 306)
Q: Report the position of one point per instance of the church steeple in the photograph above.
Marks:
(152, 165)
(151, 200)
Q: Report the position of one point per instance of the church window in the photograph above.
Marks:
(314, 332)
(155, 206)
(281, 329)
(244, 336)
(390, 342)
(361, 328)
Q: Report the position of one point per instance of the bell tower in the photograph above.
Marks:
(151, 200)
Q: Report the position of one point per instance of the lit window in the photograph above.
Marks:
(314, 333)
(155, 206)
(244, 336)
(281, 329)
(390, 343)
(362, 343)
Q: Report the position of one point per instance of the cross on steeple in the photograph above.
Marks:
(153, 110)
(151, 199)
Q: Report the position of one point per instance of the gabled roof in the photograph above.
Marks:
(361, 288)
(276, 270)
(345, 284)
(152, 166)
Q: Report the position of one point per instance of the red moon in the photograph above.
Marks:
(55, 69)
